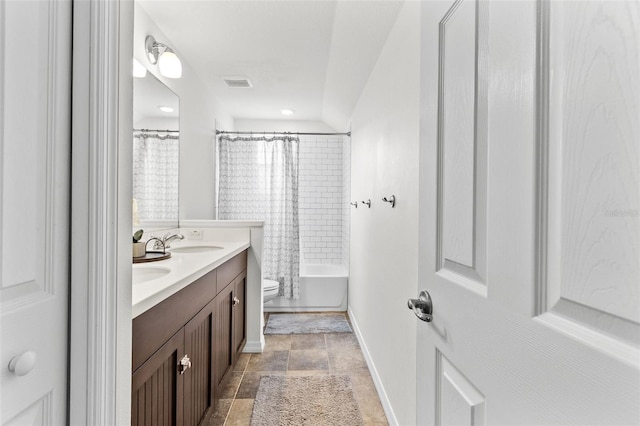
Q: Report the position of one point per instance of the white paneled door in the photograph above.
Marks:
(35, 58)
(530, 213)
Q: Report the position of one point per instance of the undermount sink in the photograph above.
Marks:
(142, 274)
(195, 249)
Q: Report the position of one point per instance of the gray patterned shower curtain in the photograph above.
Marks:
(155, 175)
(258, 180)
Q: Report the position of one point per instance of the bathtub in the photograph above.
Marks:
(323, 287)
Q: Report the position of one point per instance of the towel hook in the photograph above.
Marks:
(368, 203)
(391, 200)
(354, 204)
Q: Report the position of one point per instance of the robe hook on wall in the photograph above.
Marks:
(354, 204)
(391, 200)
(368, 203)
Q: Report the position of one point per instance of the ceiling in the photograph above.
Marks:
(311, 56)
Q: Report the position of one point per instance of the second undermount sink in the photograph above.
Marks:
(141, 274)
(195, 249)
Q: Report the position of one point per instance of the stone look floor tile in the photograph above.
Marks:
(363, 385)
(371, 410)
(240, 413)
(230, 384)
(298, 355)
(250, 382)
(243, 360)
(268, 361)
(346, 359)
(277, 342)
(308, 372)
(307, 341)
(342, 340)
(312, 359)
(220, 415)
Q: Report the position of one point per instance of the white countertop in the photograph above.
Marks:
(185, 268)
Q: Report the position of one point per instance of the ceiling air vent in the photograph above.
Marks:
(237, 82)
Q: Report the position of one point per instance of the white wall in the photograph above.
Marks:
(200, 112)
(384, 241)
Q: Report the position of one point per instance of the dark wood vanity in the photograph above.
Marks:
(184, 345)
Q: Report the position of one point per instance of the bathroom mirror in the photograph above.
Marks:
(156, 140)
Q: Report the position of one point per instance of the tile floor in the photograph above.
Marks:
(298, 354)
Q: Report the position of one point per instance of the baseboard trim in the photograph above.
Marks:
(254, 346)
(382, 394)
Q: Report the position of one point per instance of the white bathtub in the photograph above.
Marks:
(323, 287)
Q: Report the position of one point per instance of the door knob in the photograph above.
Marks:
(22, 364)
(422, 306)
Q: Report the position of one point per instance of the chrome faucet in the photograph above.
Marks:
(166, 241)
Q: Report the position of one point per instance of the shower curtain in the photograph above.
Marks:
(258, 180)
(155, 175)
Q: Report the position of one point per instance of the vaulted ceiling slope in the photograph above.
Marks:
(311, 56)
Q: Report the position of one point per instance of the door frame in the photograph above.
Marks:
(100, 305)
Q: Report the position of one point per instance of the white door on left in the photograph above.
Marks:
(35, 73)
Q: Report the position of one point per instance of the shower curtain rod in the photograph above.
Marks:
(225, 132)
(156, 130)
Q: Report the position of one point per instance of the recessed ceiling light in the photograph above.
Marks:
(286, 111)
(165, 108)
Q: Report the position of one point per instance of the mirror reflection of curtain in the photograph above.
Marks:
(155, 175)
(258, 180)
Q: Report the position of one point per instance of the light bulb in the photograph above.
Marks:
(169, 65)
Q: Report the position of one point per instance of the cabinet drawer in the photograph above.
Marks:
(231, 269)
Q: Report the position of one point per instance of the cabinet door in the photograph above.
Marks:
(239, 313)
(222, 332)
(199, 380)
(157, 387)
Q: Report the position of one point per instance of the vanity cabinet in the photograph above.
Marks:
(179, 346)
(157, 387)
(239, 315)
(230, 337)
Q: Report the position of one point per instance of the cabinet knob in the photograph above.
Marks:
(184, 364)
(236, 301)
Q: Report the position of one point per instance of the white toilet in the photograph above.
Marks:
(269, 290)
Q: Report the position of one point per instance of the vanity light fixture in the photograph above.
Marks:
(168, 62)
(165, 108)
(286, 111)
(138, 70)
